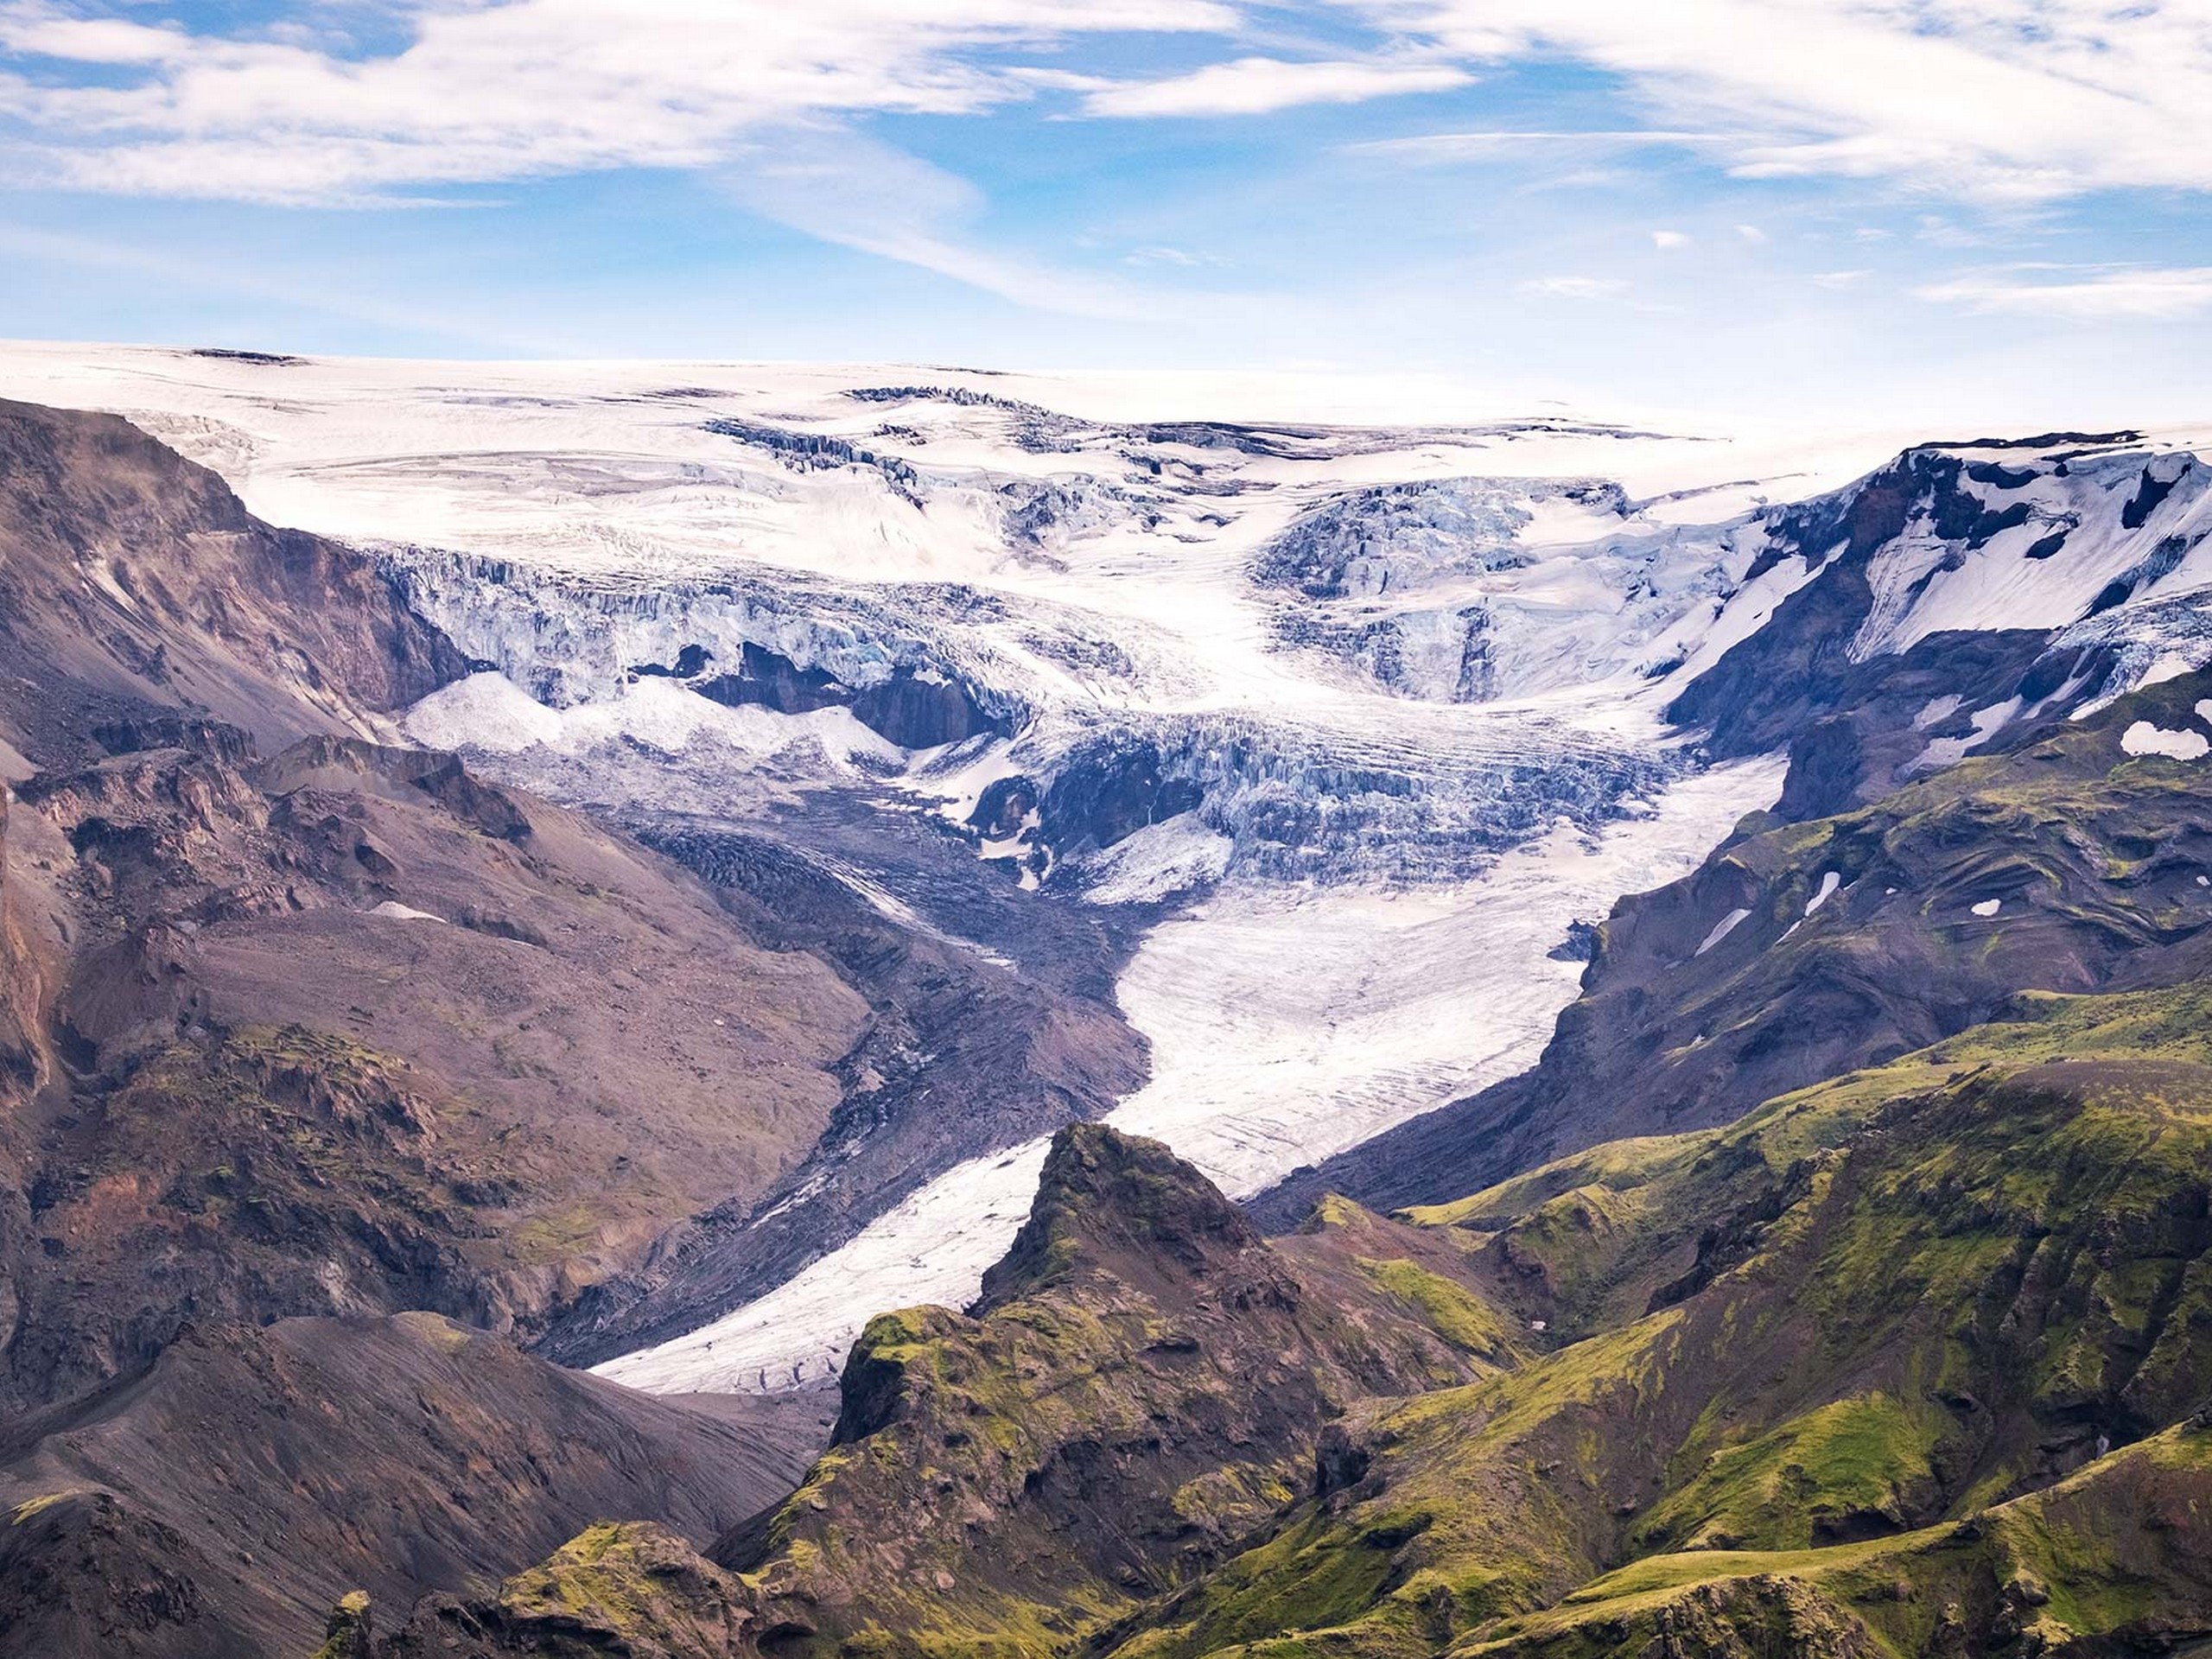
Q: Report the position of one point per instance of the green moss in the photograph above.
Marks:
(1858, 1460)
(586, 1575)
(1305, 1580)
(1461, 1317)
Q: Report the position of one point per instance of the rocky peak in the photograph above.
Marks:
(1124, 1203)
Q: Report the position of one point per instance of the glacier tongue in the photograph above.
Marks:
(1286, 1025)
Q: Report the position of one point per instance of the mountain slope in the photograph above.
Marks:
(219, 1504)
(348, 1030)
(135, 580)
(2076, 861)
(1948, 596)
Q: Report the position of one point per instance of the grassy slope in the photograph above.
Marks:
(1876, 1307)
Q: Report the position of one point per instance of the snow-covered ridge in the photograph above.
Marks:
(2071, 534)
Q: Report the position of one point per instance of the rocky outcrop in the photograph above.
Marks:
(1143, 1381)
(913, 708)
(628, 1591)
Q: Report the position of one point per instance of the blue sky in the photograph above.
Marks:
(1889, 209)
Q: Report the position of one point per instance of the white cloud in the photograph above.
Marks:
(1838, 280)
(528, 88)
(1576, 288)
(2126, 294)
(1664, 240)
(1751, 233)
(2019, 99)
(1182, 257)
(1260, 85)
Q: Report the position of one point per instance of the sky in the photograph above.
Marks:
(1880, 210)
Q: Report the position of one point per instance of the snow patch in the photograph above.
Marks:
(1987, 722)
(1721, 930)
(1987, 907)
(393, 910)
(1830, 880)
(489, 712)
(2145, 738)
(1936, 710)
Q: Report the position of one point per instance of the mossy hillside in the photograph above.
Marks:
(1976, 1254)
(1346, 1253)
(1458, 1315)
(1586, 1241)
(2111, 1558)
(1140, 1390)
(1866, 1462)
(1480, 1501)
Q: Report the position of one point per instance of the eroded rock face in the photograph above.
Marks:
(135, 581)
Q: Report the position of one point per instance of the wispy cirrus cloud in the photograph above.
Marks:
(1262, 85)
(1516, 144)
(2018, 100)
(525, 89)
(2076, 294)
(757, 91)
(1576, 288)
(846, 188)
